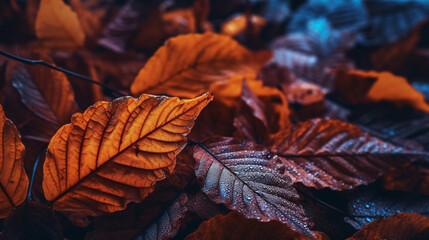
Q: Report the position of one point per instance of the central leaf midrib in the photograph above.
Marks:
(112, 158)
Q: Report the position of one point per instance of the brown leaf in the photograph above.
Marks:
(46, 92)
(397, 226)
(412, 178)
(142, 218)
(237, 25)
(98, 164)
(330, 153)
(188, 65)
(90, 22)
(274, 101)
(249, 182)
(357, 86)
(126, 22)
(33, 220)
(234, 226)
(57, 26)
(251, 122)
(13, 179)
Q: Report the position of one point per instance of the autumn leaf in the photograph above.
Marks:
(251, 122)
(397, 226)
(188, 65)
(57, 26)
(148, 217)
(32, 220)
(331, 153)
(98, 163)
(234, 226)
(375, 203)
(46, 92)
(374, 86)
(249, 181)
(13, 179)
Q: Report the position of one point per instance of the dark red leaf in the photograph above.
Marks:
(249, 181)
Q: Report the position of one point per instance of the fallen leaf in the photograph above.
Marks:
(390, 20)
(138, 219)
(397, 226)
(250, 121)
(237, 25)
(338, 155)
(57, 26)
(32, 220)
(168, 224)
(235, 226)
(249, 182)
(98, 164)
(193, 62)
(357, 86)
(412, 178)
(374, 203)
(13, 179)
(127, 21)
(46, 92)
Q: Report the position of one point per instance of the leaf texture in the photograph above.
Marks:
(374, 203)
(250, 121)
(188, 65)
(330, 153)
(234, 226)
(13, 179)
(249, 181)
(397, 226)
(114, 152)
(46, 92)
(57, 26)
(167, 226)
(374, 86)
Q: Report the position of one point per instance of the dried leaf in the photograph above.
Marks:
(57, 26)
(330, 153)
(33, 220)
(237, 25)
(251, 122)
(249, 182)
(13, 179)
(234, 226)
(167, 225)
(375, 203)
(98, 164)
(397, 226)
(390, 20)
(126, 22)
(188, 65)
(377, 86)
(138, 219)
(413, 178)
(46, 92)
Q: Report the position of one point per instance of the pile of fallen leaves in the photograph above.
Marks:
(229, 119)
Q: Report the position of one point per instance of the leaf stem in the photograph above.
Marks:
(63, 70)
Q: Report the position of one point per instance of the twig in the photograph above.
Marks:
(43, 63)
(33, 174)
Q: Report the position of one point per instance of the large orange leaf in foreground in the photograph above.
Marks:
(114, 152)
(188, 65)
(13, 180)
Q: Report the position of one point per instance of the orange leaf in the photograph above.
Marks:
(114, 152)
(234, 226)
(13, 179)
(57, 26)
(359, 86)
(188, 65)
(397, 226)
